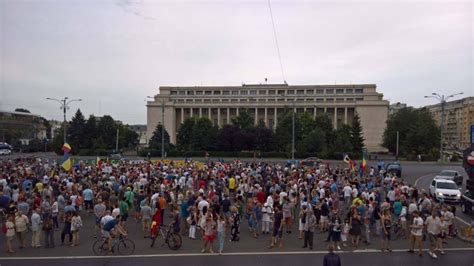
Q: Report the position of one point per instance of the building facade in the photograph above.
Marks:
(21, 126)
(458, 117)
(267, 103)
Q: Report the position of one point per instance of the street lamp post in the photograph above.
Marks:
(442, 99)
(64, 106)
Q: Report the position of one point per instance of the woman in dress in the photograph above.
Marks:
(235, 227)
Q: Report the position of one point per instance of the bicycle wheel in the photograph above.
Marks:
(100, 247)
(174, 241)
(126, 247)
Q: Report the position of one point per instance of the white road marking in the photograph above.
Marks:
(461, 220)
(217, 254)
(421, 177)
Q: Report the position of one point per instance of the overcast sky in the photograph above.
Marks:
(113, 54)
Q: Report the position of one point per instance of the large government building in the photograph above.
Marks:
(267, 102)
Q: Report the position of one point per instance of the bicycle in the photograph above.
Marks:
(397, 229)
(123, 245)
(172, 239)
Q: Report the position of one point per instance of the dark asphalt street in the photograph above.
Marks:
(457, 258)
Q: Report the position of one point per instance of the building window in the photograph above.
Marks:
(281, 92)
(329, 99)
(189, 100)
(243, 100)
(225, 92)
(339, 99)
(359, 99)
(281, 100)
(271, 100)
(319, 100)
(349, 91)
(216, 100)
(217, 92)
(262, 92)
(207, 100)
(243, 92)
(235, 92)
(290, 91)
(261, 100)
(198, 100)
(174, 92)
(180, 100)
(300, 92)
(234, 100)
(253, 99)
(225, 100)
(190, 92)
(339, 91)
(320, 91)
(330, 91)
(272, 92)
(349, 99)
(359, 91)
(309, 99)
(300, 99)
(310, 92)
(198, 92)
(208, 92)
(253, 92)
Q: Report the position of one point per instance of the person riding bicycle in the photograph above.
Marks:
(111, 228)
(155, 222)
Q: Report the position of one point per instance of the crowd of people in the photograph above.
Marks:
(219, 202)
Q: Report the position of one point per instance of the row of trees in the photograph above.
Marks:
(418, 133)
(95, 135)
(316, 137)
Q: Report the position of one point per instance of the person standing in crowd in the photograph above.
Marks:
(221, 226)
(192, 220)
(209, 233)
(386, 225)
(433, 228)
(99, 212)
(67, 228)
(278, 224)
(355, 229)
(235, 227)
(331, 259)
(10, 233)
(416, 233)
(145, 214)
(76, 225)
(36, 225)
(336, 228)
(48, 229)
(309, 227)
(266, 218)
(21, 228)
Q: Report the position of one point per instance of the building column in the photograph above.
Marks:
(209, 114)
(182, 115)
(200, 112)
(275, 118)
(314, 113)
(335, 117)
(218, 117)
(228, 115)
(304, 110)
(345, 115)
(256, 116)
(237, 111)
(266, 117)
(191, 112)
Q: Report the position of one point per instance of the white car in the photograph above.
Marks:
(5, 151)
(451, 175)
(445, 190)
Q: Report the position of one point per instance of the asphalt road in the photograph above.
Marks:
(399, 257)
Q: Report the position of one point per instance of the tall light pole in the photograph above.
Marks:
(442, 99)
(292, 127)
(64, 106)
(162, 127)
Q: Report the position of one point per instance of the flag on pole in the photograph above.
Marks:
(347, 159)
(364, 160)
(67, 163)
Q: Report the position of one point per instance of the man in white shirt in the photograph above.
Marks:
(433, 227)
(416, 233)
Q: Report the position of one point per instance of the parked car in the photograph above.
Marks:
(5, 151)
(445, 190)
(467, 202)
(451, 175)
(311, 162)
(394, 168)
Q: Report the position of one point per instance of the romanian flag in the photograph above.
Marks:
(67, 163)
(364, 160)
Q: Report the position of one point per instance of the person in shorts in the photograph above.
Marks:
(416, 233)
(277, 227)
(433, 227)
(111, 228)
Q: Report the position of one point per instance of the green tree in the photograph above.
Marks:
(307, 124)
(357, 139)
(90, 133)
(156, 139)
(283, 131)
(244, 121)
(229, 138)
(263, 138)
(75, 131)
(344, 137)
(107, 130)
(22, 110)
(185, 134)
(313, 142)
(204, 135)
(418, 132)
(323, 122)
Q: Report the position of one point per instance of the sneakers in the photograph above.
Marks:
(338, 247)
(442, 252)
(432, 254)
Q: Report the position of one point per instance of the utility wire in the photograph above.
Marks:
(276, 42)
